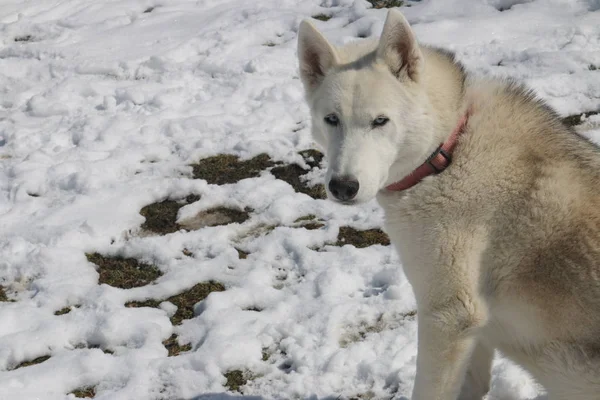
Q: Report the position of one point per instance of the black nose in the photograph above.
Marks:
(343, 188)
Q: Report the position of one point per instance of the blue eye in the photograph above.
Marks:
(380, 121)
(332, 120)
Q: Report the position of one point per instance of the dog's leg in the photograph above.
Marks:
(479, 373)
(446, 342)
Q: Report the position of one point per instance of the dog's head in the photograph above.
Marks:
(367, 106)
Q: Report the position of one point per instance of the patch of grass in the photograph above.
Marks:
(592, 67)
(174, 348)
(308, 217)
(313, 225)
(266, 354)
(36, 361)
(227, 168)
(87, 392)
(361, 239)
(363, 396)
(322, 17)
(184, 301)
(235, 380)
(65, 310)
(24, 38)
(386, 3)
(149, 10)
(270, 44)
(574, 120)
(161, 217)
(214, 217)
(361, 332)
(94, 346)
(309, 222)
(242, 254)
(292, 174)
(124, 273)
(312, 157)
(3, 296)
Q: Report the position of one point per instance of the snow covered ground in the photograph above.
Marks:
(105, 104)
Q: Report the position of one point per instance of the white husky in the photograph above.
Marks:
(492, 203)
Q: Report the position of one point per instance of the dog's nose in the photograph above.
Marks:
(343, 188)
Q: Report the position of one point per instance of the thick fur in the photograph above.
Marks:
(502, 249)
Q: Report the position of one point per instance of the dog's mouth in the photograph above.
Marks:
(344, 202)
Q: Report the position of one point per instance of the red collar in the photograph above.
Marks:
(438, 161)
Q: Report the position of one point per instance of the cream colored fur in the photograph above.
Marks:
(502, 249)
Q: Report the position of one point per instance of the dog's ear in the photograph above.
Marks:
(315, 54)
(398, 47)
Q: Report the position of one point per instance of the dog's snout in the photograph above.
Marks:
(344, 188)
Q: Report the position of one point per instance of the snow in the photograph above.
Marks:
(102, 110)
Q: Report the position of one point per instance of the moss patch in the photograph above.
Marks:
(227, 168)
(36, 361)
(124, 273)
(161, 217)
(574, 120)
(174, 348)
(184, 301)
(214, 217)
(292, 174)
(87, 392)
(235, 380)
(322, 17)
(360, 239)
(386, 3)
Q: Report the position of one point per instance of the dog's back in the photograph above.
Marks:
(533, 185)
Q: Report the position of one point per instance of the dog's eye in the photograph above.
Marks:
(332, 120)
(380, 121)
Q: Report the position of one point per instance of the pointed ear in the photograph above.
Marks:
(398, 47)
(315, 54)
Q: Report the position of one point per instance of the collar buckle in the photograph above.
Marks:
(439, 152)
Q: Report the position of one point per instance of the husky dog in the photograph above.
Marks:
(492, 203)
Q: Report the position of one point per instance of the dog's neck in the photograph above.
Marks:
(437, 161)
(441, 111)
